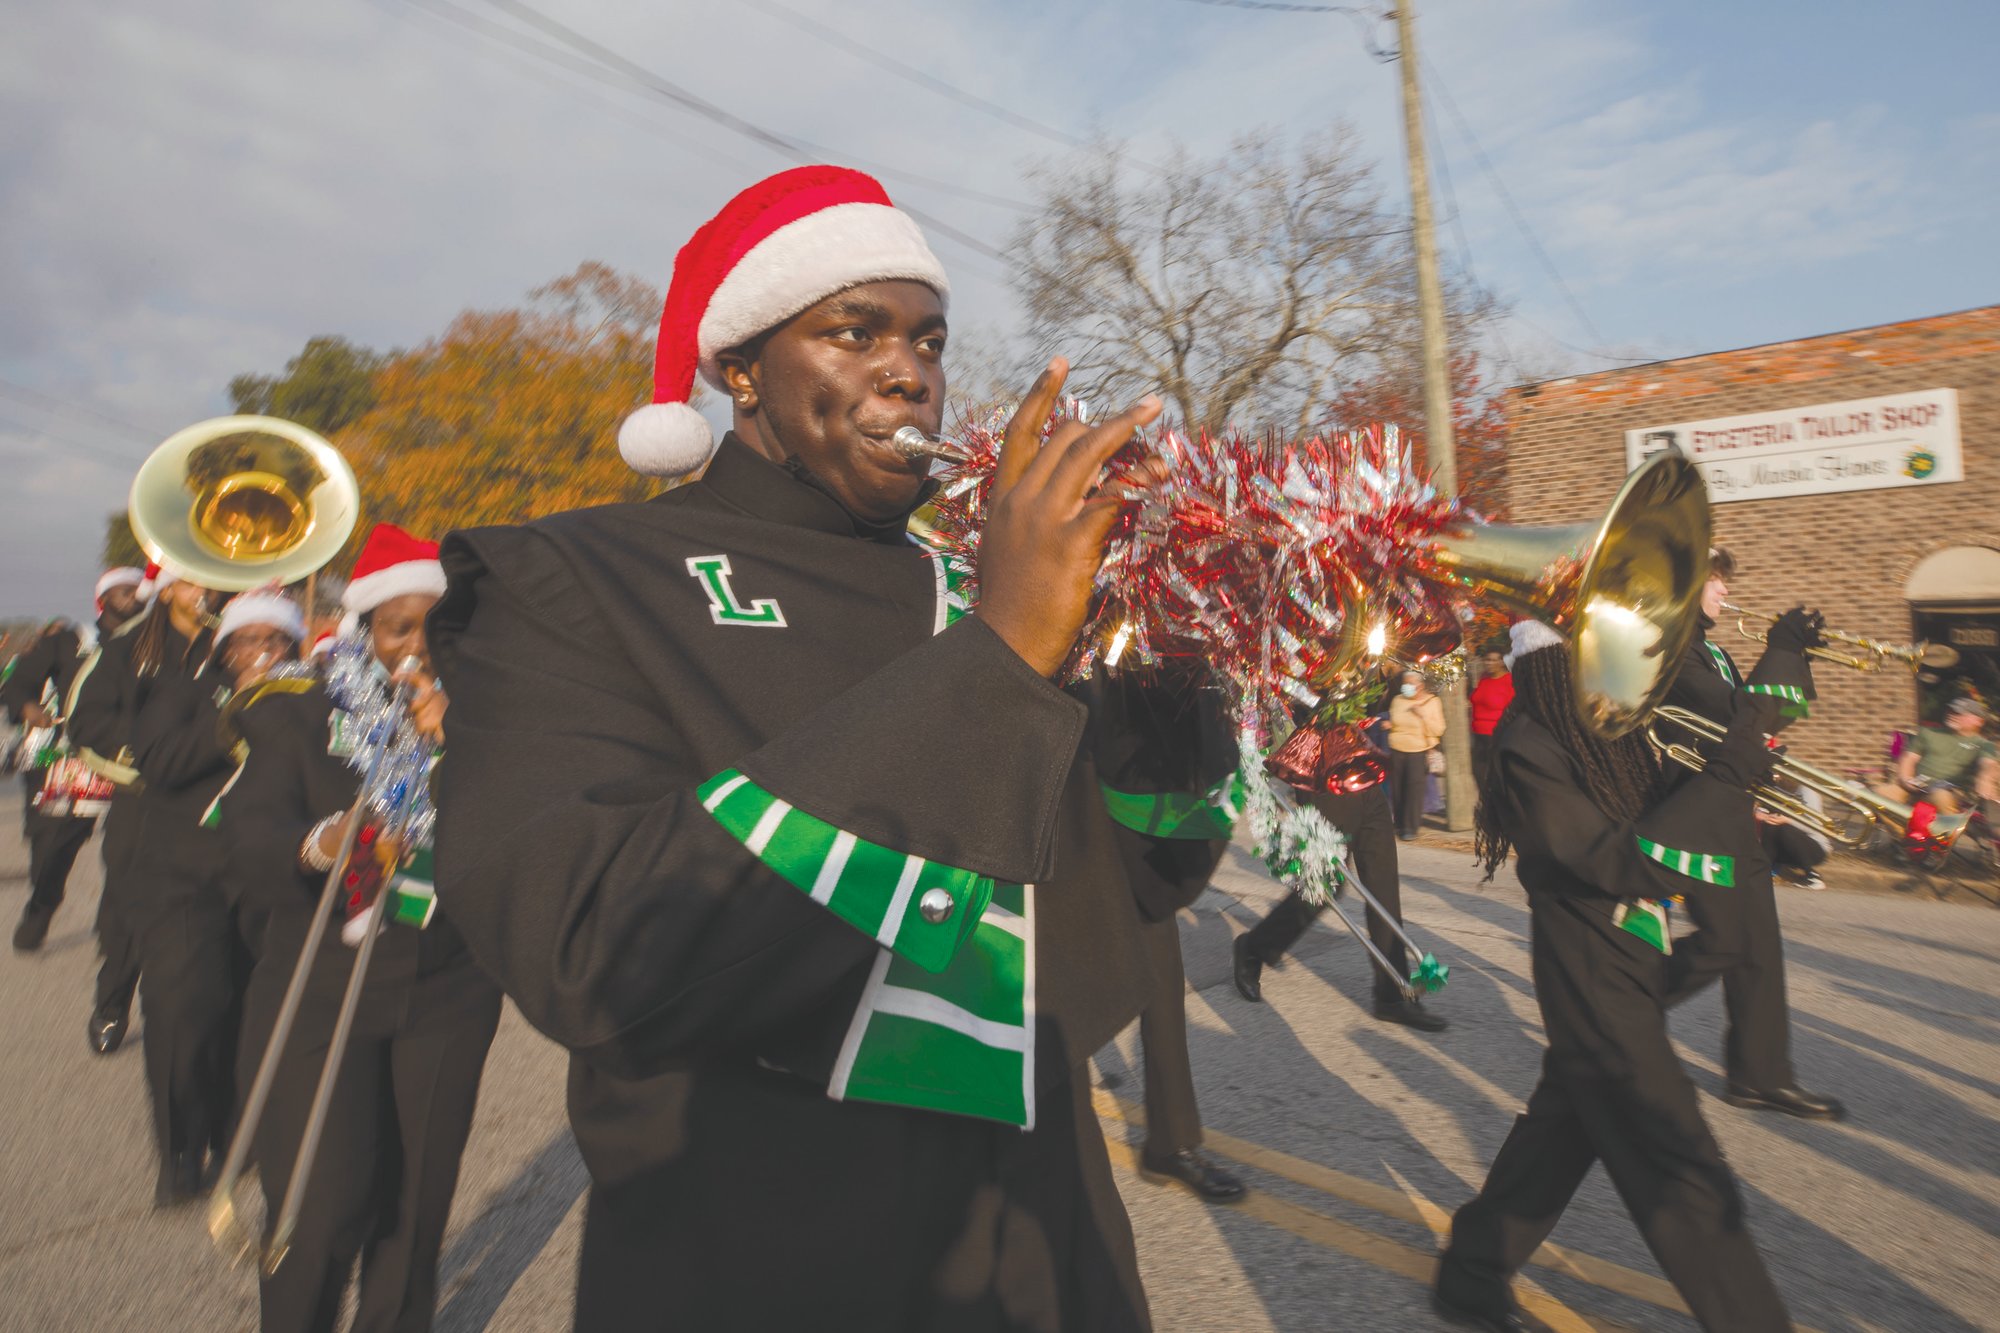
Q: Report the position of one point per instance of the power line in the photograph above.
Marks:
(49, 402)
(784, 145)
(42, 435)
(921, 78)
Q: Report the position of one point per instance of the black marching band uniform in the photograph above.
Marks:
(1612, 1089)
(1743, 942)
(104, 704)
(738, 807)
(382, 1185)
(55, 837)
(1166, 756)
(191, 953)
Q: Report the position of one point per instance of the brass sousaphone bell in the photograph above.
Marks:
(237, 502)
(1625, 591)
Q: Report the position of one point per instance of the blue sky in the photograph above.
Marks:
(191, 188)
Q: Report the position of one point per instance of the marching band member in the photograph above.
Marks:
(1601, 841)
(190, 951)
(1744, 940)
(105, 702)
(741, 801)
(382, 1185)
(35, 691)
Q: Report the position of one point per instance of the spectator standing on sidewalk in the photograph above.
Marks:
(1490, 698)
(1416, 727)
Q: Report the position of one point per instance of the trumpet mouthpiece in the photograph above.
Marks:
(915, 444)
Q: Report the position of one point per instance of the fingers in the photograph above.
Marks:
(1076, 467)
(1022, 440)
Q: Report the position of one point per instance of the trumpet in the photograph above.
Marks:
(1873, 809)
(1868, 655)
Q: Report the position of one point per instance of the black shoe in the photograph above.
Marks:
(1411, 1014)
(1193, 1169)
(107, 1030)
(1249, 971)
(1515, 1320)
(1406, 837)
(34, 927)
(1793, 1100)
(180, 1181)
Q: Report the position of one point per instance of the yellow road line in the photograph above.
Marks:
(1410, 1207)
(1369, 1247)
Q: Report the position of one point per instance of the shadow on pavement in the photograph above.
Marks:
(489, 1256)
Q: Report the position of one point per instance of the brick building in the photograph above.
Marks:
(1835, 471)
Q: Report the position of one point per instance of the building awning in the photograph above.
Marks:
(1960, 574)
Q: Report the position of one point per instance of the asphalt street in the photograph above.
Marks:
(1358, 1138)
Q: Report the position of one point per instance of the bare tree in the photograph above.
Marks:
(1246, 288)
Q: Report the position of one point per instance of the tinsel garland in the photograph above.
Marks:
(400, 792)
(1260, 558)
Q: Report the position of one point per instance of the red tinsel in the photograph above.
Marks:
(1255, 555)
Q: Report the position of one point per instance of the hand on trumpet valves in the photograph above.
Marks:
(1798, 631)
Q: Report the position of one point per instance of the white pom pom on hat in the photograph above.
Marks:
(785, 243)
(1531, 636)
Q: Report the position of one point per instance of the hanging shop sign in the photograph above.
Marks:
(1899, 439)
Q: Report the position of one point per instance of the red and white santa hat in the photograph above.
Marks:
(392, 564)
(122, 576)
(263, 606)
(782, 245)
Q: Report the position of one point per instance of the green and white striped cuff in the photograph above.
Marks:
(1719, 870)
(1791, 698)
(889, 895)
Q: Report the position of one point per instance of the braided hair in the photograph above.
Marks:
(1622, 777)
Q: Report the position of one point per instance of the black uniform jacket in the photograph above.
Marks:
(1566, 844)
(51, 659)
(1161, 731)
(184, 758)
(600, 671)
(105, 704)
(289, 783)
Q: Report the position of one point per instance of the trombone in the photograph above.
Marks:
(1873, 809)
(1868, 655)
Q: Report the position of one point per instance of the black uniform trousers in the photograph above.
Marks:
(117, 936)
(53, 845)
(1173, 1119)
(1364, 817)
(1409, 779)
(382, 1185)
(1757, 1052)
(1612, 1090)
(1790, 845)
(981, 1228)
(195, 969)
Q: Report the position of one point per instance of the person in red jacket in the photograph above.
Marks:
(1490, 698)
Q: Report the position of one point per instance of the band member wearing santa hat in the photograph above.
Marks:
(741, 802)
(381, 1188)
(191, 950)
(1603, 841)
(168, 638)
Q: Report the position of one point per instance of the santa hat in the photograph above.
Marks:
(124, 576)
(392, 564)
(261, 608)
(782, 245)
(1531, 636)
(155, 577)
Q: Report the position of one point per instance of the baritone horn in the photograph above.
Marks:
(237, 502)
(1868, 655)
(1625, 591)
(1873, 808)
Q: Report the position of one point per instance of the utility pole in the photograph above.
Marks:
(1440, 449)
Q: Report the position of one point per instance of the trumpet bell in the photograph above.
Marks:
(1625, 591)
(235, 502)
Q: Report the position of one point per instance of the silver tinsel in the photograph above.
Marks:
(400, 794)
(1296, 843)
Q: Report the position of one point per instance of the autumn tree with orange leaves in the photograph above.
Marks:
(511, 414)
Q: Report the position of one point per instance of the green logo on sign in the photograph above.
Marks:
(723, 606)
(1920, 464)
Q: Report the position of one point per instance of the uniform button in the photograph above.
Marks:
(936, 905)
